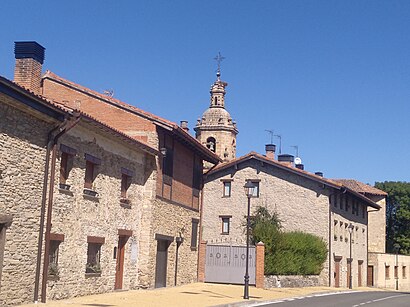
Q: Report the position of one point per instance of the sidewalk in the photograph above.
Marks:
(192, 295)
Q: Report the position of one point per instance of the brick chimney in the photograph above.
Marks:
(184, 125)
(29, 60)
(286, 159)
(270, 151)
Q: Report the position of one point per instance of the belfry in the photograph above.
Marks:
(215, 129)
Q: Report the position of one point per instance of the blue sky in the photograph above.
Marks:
(332, 77)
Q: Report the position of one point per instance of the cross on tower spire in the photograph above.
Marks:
(219, 58)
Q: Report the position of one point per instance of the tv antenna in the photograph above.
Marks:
(271, 135)
(109, 93)
(296, 147)
(280, 142)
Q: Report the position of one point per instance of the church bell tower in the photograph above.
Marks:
(216, 129)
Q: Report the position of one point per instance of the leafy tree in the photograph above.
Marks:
(293, 253)
(397, 214)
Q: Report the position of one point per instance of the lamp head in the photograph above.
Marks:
(249, 188)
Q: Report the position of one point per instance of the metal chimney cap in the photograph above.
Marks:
(270, 147)
(286, 158)
(29, 50)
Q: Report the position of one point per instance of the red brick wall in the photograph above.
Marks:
(110, 114)
(27, 73)
(260, 265)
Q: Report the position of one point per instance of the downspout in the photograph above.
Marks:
(43, 208)
(64, 129)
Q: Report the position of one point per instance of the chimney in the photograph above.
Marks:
(270, 151)
(29, 60)
(319, 174)
(286, 159)
(184, 125)
(300, 166)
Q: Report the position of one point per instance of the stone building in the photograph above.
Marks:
(303, 201)
(124, 200)
(384, 270)
(216, 129)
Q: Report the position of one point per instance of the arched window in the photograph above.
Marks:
(211, 144)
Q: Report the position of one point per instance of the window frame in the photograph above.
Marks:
(194, 234)
(94, 248)
(226, 221)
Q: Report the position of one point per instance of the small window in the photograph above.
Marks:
(53, 258)
(227, 189)
(403, 269)
(347, 204)
(256, 188)
(94, 254)
(168, 167)
(66, 164)
(363, 211)
(387, 272)
(194, 234)
(126, 179)
(225, 225)
(341, 200)
(91, 164)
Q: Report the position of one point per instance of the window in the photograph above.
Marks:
(363, 210)
(341, 199)
(194, 234)
(335, 229)
(225, 224)
(387, 272)
(168, 167)
(94, 254)
(227, 189)
(355, 209)
(403, 269)
(197, 176)
(256, 187)
(347, 204)
(90, 169)
(55, 240)
(66, 164)
(211, 144)
(126, 178)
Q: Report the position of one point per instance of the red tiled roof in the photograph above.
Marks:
(69, 111)
(211, 157)
(303, 173)
(360, 187)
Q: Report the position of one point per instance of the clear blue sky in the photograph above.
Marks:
(332, 77)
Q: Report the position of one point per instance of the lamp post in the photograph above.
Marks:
(249, 187)
(396, 248)
(350, 228)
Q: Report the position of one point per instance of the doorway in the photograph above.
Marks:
(337, 272)
(370, 274)
(163, 243)
(359, 277)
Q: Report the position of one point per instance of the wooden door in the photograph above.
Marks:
(161, 264)
(122, 240)
(359, 277)
(370, 274)
(337, 273)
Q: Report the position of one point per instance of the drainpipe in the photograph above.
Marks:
(64, 128)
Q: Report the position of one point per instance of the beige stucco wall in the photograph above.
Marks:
(379, 261)
(22, 157)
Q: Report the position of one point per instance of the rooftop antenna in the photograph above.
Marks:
(280, 142)
(219, 58)
(296, 147)
(271, 135)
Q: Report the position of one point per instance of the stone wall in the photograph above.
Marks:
(377, 225)
(292, 281)
(23, 139)
(78, 216)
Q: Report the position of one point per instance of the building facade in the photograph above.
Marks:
(303, 201)
(122, 208)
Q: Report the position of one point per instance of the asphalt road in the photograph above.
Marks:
(343, 299)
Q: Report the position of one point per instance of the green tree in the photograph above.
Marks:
(397, 214)
(293, 253)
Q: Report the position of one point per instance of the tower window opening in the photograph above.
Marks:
(211, 144)
(216, 100)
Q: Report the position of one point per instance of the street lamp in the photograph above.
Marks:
(249, 187)
(396, 248)
(350, 228)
